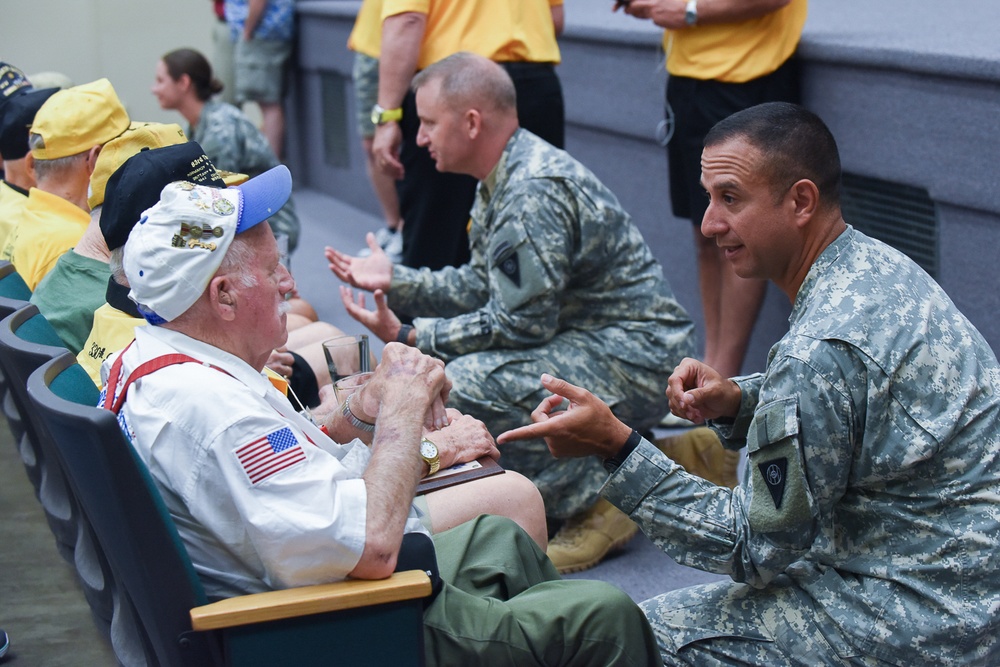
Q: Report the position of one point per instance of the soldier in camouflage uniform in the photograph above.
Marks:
(560, 281)
(867, 528)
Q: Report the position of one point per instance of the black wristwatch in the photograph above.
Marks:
(612, 463)
(404, 334)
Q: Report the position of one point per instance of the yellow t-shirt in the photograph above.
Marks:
(50, 225)
(112, 331)
(736, 52)
(11, 208)
(508, 31)
(366, 36)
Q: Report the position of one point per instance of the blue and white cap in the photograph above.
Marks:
(178, 244)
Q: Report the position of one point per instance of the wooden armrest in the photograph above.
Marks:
(293, 602)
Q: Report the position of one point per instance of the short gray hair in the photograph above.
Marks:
(467, 78)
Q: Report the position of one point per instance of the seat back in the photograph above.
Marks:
(131, 522)
(26, 342)
(12, 286)
(14, 295)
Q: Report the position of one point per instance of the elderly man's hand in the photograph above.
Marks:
(464, 439)
(586, 427)
(368, 273)
(382, 321)
(407, 380)
(667, 14)
(697, 392)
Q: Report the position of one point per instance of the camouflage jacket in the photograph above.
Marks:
(873, 479)
(552, 250)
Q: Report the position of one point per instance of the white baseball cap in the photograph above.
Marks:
(178, 244)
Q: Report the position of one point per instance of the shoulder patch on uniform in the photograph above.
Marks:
(509, 264)
(774, 472)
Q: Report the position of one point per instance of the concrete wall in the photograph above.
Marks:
(118, 39)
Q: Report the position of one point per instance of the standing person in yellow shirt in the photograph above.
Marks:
(518, 34)
(723, 56)
(366, 42)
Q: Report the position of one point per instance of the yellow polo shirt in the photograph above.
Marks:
(50, 225)
(736, 52)
(12, 203)
(507, 31)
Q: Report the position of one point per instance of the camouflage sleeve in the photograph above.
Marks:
(733, 432)
(447, 292)
(799, 447)
(527, 259)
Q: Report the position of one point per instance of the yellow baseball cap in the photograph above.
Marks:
(77, 119)
(137, 137)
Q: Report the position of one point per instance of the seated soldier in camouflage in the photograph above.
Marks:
(866, 530)
(560, 281)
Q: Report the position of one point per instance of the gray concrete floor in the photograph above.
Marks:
(43, 608)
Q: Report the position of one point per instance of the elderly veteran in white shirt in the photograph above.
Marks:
(264, 498)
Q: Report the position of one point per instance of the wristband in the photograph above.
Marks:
(404, 334)
(611, 464)
(355, 422)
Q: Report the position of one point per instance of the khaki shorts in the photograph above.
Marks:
(365, 77)
(259, 69)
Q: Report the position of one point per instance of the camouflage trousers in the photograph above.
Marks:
(726, 623)
(502, 387)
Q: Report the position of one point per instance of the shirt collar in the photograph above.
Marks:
(204, 352)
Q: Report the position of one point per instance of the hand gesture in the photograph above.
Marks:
(697, 392)
(586, 427)
(667, 14)
(368, 273)
(382, 321)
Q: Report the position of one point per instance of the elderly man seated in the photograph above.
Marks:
(264, 498)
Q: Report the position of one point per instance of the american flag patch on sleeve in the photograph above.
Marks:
(268, 455)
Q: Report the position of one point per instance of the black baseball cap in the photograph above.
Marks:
(137, 184)
(13, 82)
(18, 116)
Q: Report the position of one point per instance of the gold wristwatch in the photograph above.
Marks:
(382, 116)
(429, 453)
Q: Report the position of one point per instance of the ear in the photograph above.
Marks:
(473, 121)
(222, 297)
(29, 165)
(185, 81)
(803, 199)
(92, 158)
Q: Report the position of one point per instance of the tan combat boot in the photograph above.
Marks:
(587, 538)
(701, 454)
